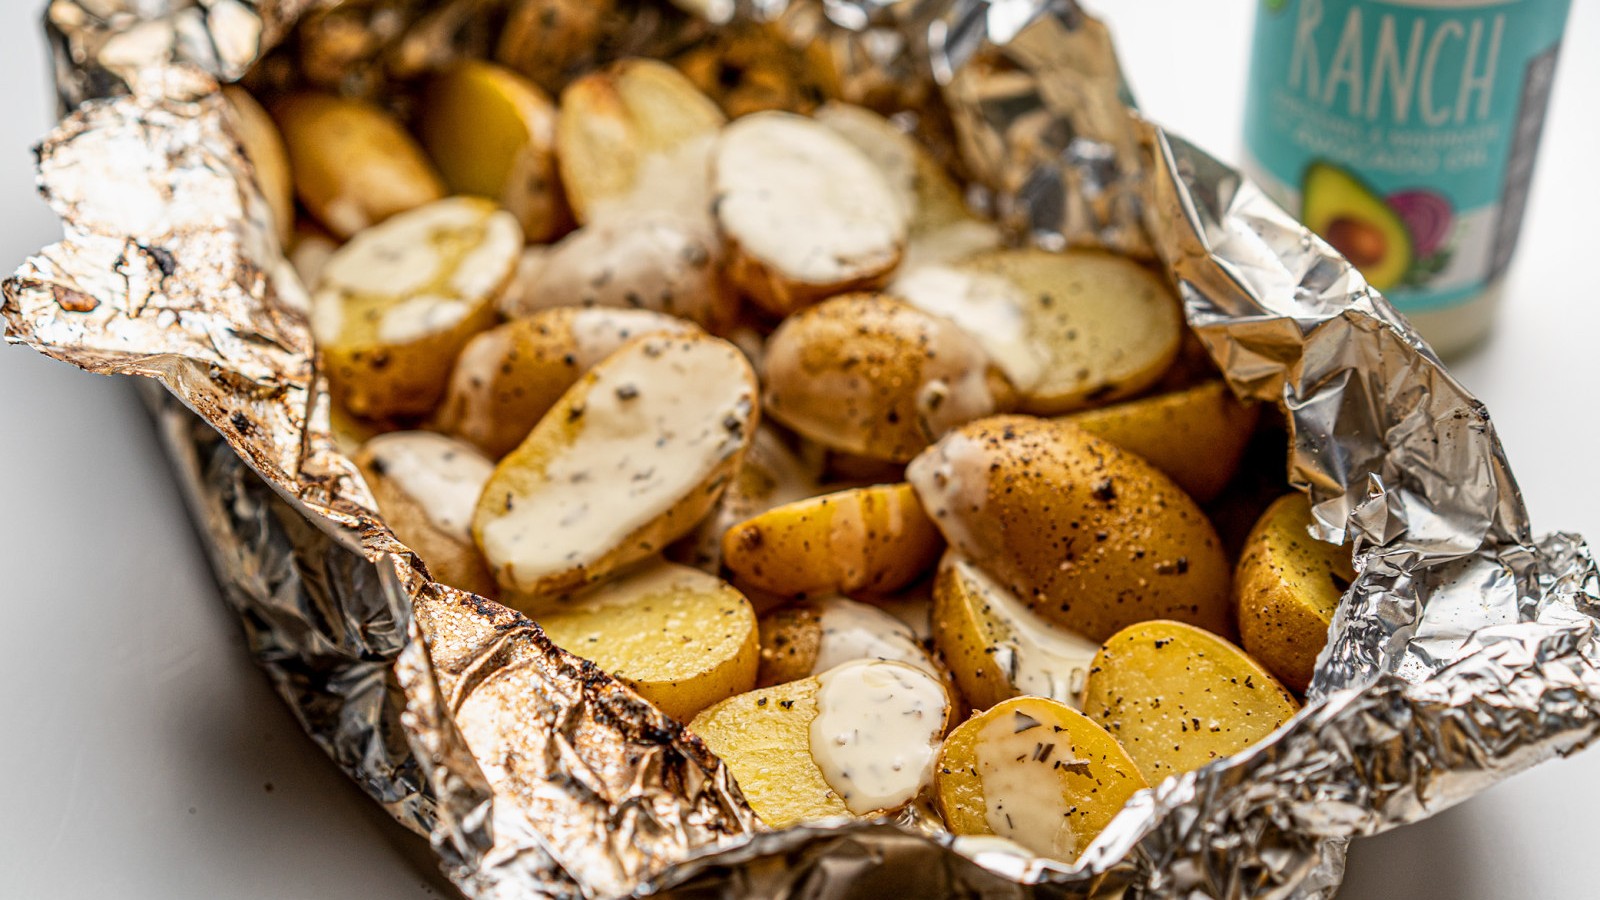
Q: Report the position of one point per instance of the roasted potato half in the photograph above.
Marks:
(396, 304)
(1288, 585)
(1178, 697)
(680, 637)
(859, 739)
(508, 377)
(426, 486)
(626, 462)
(930, 197)
(869, 375)
(1091, 537)
(263, 146)
(1037, 772)
(810, 637)
(872, 540)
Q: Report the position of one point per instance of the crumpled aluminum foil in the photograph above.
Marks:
(1466, 651)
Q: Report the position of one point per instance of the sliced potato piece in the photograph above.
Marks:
(997, 648)
(770, 475)
(1069, 329)
(810, 637)
(870, 375)
(628, 460)
(1196, 435)
(1178, 697)
(872, 540)
(1090, 536)
(636, 136)
(508, 377)
(1037, 772)
(353, 164)
(263, 146)
(548, 40)
(1288, 585)
(804, 213)
(950, 243)
(426, 486)
(681, 638)
(859, 739)
(397, 303)
(491, 133)
(930, 197)
(748, 67)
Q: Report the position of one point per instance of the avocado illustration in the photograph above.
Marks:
(1357, 222)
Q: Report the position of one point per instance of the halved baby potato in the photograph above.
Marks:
(354, 165)
(930, 197)
(872, 540)
(1037, 772)
(997, 648)
(1178, 697)
(397, 302)
(857, 740)
(1089, 536)
(1288, 586)
(1069, 329)
(680, 637)
(263, 146)
(508, 377)
(809, 637)
(426, 486)
(491, 133)
(804, 213)
(1196, 435)
(627, 461)
(870, 375)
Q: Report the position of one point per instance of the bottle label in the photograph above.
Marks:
(1404, 131)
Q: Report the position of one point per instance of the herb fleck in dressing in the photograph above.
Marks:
(877, 732)
(1017, 755)
(1040, 659)
(444, 476)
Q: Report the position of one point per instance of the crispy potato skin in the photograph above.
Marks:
(1090, 536)
(1196, 435)
(375, 380)
(1178, 697)
(872, 540)
(1288, 585)
(450, 560)
(791, 637)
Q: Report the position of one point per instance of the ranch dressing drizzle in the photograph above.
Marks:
(877, 732)
(419, 317)
(852, 631)
(988, 307)
(655, 420)
(677, 180)
(951, 479)
(444, 476)
(955, 374)
(597, 332)
(1039, 658)
(1016, 758)
(471, 394)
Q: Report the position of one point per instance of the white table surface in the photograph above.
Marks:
(145, 757)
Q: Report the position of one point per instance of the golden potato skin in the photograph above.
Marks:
(450, 560)
(1288, 585)
(1178, 697)
(1196, 435)
(791, 637)
(1091, 537)
(872, 540)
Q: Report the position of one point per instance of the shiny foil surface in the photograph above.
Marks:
(1466, 650)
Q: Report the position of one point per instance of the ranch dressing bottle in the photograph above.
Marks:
(1404, 132)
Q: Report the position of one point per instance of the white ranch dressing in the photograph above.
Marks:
(484, 268)
(676, 180)
(444, 476)
(990, 308)
(657, 418)
(853, 630)
(598, 332)
(1039, 658)
(951, 479)
(471, 394)
(947, 243)
(877, 732)
(977, 847)
(955, 375)
(1021, 795)
(420, 316)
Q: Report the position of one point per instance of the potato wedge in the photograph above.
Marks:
(681, 638)
(1178, 697)
(628, 460)
(426, 486)
(1196, 435)
(870, 375)
(804, 214)
(749, 67)
(1091, 537)
(636, 136)
(872, 540)
(491, 133)
(770, 475)
(1069, 329)
(859, 740)
(397, 303)
(1037, 772)
(353, 164)
(263, 146)
(930, 197)
(508, 377)
(810, 637)
(1288, 585)
(997, 648)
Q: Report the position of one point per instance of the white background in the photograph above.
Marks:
(144, 757)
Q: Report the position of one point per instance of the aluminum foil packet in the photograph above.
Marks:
(1466, 650)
